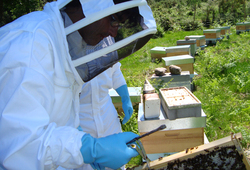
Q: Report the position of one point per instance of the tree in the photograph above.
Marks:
(193, 4)
(12, 9)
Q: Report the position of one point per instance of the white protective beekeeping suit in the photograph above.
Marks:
(39, 94)
(98, 115)
(40, 89)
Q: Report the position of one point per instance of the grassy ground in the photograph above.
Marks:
(222, 84)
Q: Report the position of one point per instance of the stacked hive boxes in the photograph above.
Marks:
(179, 56)
(182, 114)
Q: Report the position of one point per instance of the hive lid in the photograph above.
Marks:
(223, 28)
(197, 37)
(181, 48)
(211, 31)
(181, 59)
(158, 50)
(179, 97)
(243, 23)
(190, 41)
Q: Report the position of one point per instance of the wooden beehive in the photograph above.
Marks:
(200, 40)
(183, 61)
(242, 27)
(178, 50)
(212, 33)
(158, 53)
(179, 134)
(224, 30)
(179, 102)
(225, 153)
(191, 42)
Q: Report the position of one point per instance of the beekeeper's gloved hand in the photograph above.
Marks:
(111, 151)
(126, 103)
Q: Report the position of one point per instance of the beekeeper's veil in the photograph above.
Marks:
(132, 34)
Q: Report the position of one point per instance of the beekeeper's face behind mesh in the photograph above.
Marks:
(130, 23)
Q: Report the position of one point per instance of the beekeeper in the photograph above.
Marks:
(98, 115)
(40, 84)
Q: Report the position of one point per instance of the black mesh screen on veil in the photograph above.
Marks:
(131, 26)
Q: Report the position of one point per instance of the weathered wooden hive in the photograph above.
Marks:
(212, 35)
(160, 52)
(184, 61)
(191, 42)
(225, 153)
(200, 41)
(242, 27)
(184, 129)
(224, 30)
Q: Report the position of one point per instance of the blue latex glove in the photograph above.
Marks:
(79, 128)
(126, 103)
(111, 151)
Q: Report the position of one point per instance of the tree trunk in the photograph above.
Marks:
(1, 13)
(244, 6)
(194, 11)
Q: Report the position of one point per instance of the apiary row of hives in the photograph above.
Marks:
(181, 112)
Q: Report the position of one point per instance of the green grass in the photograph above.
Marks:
(222, 84)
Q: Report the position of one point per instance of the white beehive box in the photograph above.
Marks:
(152, 106)
(179, 102)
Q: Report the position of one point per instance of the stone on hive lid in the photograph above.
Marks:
(175, 70)
(160, 71)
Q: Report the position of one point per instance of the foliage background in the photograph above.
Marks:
(223, 83)
(169, 14)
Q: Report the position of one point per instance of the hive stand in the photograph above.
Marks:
(212, 36)
(242, 27)
(191, 42)
(157, 53)
(224, 31)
